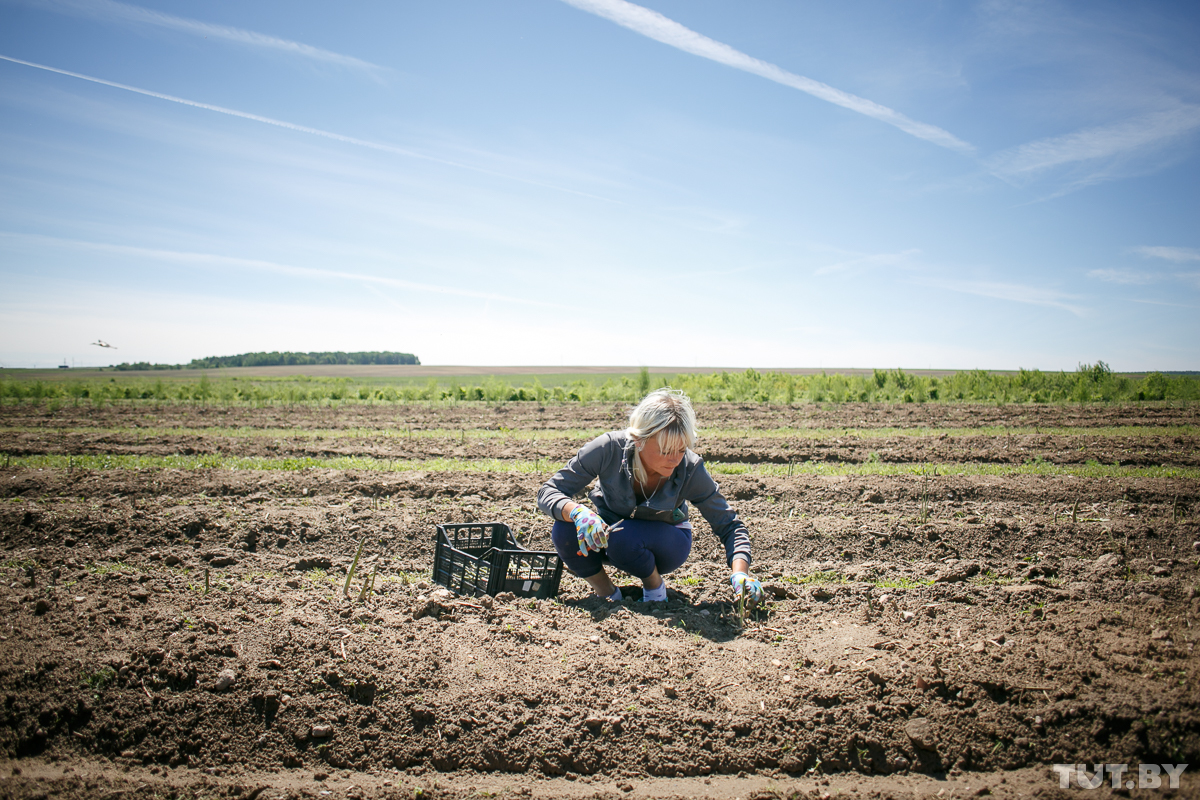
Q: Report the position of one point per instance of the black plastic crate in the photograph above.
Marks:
(478, 558)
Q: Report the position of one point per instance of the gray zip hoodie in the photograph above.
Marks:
(608, 458)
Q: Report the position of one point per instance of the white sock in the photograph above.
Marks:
(616, 596)
(655, 595)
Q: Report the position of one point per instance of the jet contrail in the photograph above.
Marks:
(192, 259)
(668, 31)
(1104, 141)
(110, 9)
(386, 148)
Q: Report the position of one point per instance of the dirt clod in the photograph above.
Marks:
(225, 679)
(920, 733)
(957, 573)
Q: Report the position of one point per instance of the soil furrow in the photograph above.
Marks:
(1120, 450)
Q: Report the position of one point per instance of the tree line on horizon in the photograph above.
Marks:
(280, 359)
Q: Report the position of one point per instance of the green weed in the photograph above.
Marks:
(903, 583)
(114, 566)
(828, 576)
(989, 578)
(99, 679)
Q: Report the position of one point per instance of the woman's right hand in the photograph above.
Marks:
(750, 586)
(591, 530)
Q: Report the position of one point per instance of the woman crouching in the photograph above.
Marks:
(645, 477)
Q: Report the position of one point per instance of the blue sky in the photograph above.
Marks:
(768, 184)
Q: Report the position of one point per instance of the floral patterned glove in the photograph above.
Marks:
(591, 530)
(751, 586)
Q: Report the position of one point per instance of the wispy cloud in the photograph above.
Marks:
(1180, 255)
(1014, 292)
(1101, 143)
(1125, 276)
(1161, 303)
(1191, 277)
(900, 259)
(1144, 278)
(386, 148)
(110, 10)
(662, 29)
(198, 259)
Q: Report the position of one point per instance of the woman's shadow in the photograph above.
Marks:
(716, 621)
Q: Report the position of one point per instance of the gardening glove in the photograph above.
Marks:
(751, 586)
(591, 530)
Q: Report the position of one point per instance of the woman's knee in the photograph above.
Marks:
(566, 544)
(640, 547)
(672, 550)
(628, 552)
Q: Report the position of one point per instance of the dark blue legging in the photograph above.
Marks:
(636, 546)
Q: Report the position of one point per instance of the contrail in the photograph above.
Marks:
(191, 259)
(1015, 292)
(108, 9)
(1177, 254)
(386, 148)
(1105, 141)
(668, 31)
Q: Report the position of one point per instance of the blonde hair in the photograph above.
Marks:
(667, 415)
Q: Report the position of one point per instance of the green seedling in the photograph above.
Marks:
(353, 565)
(369, 584)
(925, 510)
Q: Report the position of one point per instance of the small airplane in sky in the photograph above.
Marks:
(102, 343)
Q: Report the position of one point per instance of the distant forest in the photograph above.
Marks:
(277, 359)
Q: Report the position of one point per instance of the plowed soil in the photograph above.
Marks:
(186, 633)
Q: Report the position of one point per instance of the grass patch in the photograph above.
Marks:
(400, 432)
(989, 578)
(318, 575)
(19, 563)
(1090, 383)
(113, 566)
(945, 470)
(990, 431)
(902, 583)
(548, 465)
(823, 577)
